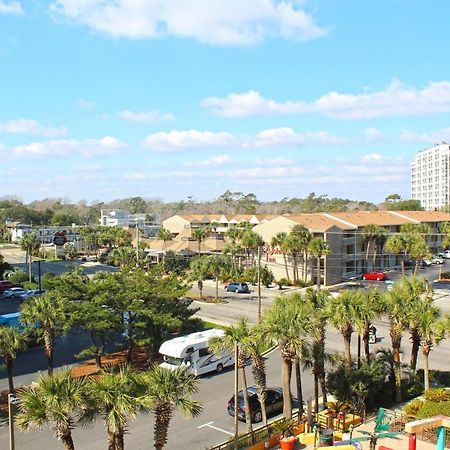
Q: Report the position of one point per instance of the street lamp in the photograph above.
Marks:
(12, 400)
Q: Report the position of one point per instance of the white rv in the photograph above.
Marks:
(193, 353)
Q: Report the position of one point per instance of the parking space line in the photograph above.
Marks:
(210, 425)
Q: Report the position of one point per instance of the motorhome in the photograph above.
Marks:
(193, 353)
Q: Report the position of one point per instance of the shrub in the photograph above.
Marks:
(437, 395)
(445, 276)
(30, 285)
(18, 277)
(412, 408)
(430, 409)
(46, 280)
(284, 282)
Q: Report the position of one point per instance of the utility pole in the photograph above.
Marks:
(259, 284)
(236, 392)
(39, 275)
(12, 400)
(137, 245)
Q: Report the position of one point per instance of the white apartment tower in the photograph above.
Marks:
(430, 177)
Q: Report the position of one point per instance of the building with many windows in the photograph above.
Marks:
(430, 177)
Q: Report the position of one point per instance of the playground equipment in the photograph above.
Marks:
(437, 422)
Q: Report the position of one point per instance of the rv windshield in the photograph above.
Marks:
(173, 361)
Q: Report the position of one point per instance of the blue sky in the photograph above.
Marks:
(171, 98)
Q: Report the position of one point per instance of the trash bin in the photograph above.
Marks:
(326, 438)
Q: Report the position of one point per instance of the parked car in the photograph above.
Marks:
(237, 287)
(425, 263)
(14, 292)
(438, 259)
(378, 276)
(5, 285)
(32, 293)
(445, 254)
(274, 403)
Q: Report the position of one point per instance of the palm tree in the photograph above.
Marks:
(164, 235)
(370, 233)
(280, 241)
(397, 244)
(11, 341)
(432, 330)
(318, 248)
(215, 264)
(251, 241)
(396, 308)
(47, 314)
(30, 244)
(199, 271)
(56, 401)
(115, 396)
(199, 235)
(236, 335)
(371, 309)
(287, 324)
(415, 235)
(165, 392)
(122, 256)
(343, 312)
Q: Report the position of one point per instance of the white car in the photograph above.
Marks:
(445, 254)
(437, 260)
(14, 292)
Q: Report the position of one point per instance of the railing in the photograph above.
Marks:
(245, 439)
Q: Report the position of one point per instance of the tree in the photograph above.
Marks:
(215, 264)
(251, 240)
(298, 242)
(116, 397)
(287, 324)
(236, 335)
(199, 271)
(70, 251)
(56, 401)
(199, 235)
(372, 233)
(48, 315)
(12, 341)
(165, 392)
(122, 256)
(343, 312)
(164, 235)
(398, 244)
(318, 248)
(280, 241)
(30, 245)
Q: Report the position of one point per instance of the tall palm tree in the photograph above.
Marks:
(199, 235)
(215, 264)
(12, 341)
(48, 315)
(319, 301)
(251, 240)
(280, 241)
(31, 245)
(416, 239)
(371, 310)
(343, 312)
(432, 330)
(237, 335)
(287, 324)
(370, 232)
(397, 244)
(122, 256)
(164, 235)
(302, 238)
(56, 401)
(318, 248)
(396, 308)
(165, 392)
(115, 396)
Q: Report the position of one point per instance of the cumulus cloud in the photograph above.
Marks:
(396, 100)
(29, 126)
(10, 7)
(269, 138)
(146, 116)
(374, 135)
(213, 161)
(231, 22)
(429, 138)
(87, 147)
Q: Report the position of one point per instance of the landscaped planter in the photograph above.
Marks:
(288, 443)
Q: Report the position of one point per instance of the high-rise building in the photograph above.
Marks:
(430, 177)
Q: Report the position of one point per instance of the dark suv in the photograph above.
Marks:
(274, 403)
(237, 287)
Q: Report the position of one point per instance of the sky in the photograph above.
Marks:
(105, 99)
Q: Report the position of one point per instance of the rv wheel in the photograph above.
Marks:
(219, 368)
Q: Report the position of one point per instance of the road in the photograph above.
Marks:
(214, 425)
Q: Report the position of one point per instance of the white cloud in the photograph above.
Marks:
(145, 117)
(87, 147)
(29, 126)
(374, 135)
(88, 167)
(12, 7)
(269, 138)
(231, 22)
(213, 161)
(279, 161)
(86, 104)
(395, 100)
(429, 138)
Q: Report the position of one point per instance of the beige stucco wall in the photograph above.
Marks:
(175, 224)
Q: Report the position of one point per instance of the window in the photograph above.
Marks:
(204, 352)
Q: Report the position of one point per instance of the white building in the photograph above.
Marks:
(430, 177)
(148, 225)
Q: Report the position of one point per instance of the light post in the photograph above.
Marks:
(12, 400)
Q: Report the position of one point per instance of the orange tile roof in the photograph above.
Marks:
(317, 221)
